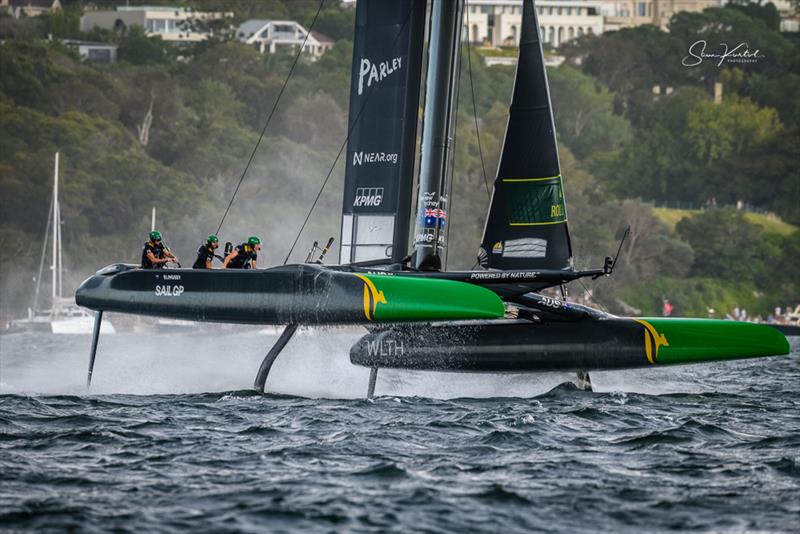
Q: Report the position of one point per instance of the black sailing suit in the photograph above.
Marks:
(204, 253)
(158, 252)
(244, 255)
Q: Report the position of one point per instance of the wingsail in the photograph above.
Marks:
(527, 223)
(384, 102)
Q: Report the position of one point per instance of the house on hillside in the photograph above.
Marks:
(93, 52)
(29, 8)
(275, 35)
(175, 24)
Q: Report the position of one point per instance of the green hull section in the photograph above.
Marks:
(681, 341)
(390, 298)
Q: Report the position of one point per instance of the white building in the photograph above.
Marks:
(170, 23)
(497, 22)
(628, 13)
(92, 52)
(275, 35)
(790, 18)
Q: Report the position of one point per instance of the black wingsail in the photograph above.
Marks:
(527, 223)
(384, 104)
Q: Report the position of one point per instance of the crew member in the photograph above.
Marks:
(156, 254)
(244, 256)
(206, 253)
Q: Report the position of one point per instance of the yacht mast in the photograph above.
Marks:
(437, 133)
(56, 290)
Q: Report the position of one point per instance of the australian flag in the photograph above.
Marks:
(431, 215)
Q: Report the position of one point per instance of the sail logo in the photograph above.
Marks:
(652, 341)
(368, 196)
(388, 347)
(427, 237)
(376, 72)
(372, 297)
(169, 291)
(360, 158)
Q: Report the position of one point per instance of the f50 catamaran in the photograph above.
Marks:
(419, 316)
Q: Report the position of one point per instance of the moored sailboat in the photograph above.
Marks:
(63, 316)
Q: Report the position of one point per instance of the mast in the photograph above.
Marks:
(60, 253)
(437, 133)
(55, 290)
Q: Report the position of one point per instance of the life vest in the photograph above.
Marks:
(204, 254)
(158, 251)
(245, 254)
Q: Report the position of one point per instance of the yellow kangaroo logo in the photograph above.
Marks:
(372, 296)
(652, 340)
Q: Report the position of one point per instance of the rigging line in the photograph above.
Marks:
(591, 296)
(271, 113)
(341, 148)
(475, 107)
(452, 170)
(314, 204)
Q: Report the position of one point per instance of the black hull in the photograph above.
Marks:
(289, 294)
(281, 295)
(505, 346)
(583, 345)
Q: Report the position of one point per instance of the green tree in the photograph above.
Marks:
(716, 131)
(764, 174)
(139, 49)
(728, 246)
(655, 165)
(28, 69)
(630, 62)
(767, 13)
(583, 112)
(781, 93)
(64, 23)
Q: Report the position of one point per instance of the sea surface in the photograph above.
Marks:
(171, 438)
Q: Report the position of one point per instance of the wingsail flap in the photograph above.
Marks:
(384, 103)
(527, 223)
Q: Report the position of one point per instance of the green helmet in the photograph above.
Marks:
(213, 239)
(253, 241)
(155, 235)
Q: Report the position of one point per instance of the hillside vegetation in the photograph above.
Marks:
(173, 128)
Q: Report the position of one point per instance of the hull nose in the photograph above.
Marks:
(90, 293)
(87, 293)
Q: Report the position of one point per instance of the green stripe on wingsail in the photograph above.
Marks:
(678, 341)
(390, 298)
(534, 202)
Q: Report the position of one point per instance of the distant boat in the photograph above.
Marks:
(64, 316)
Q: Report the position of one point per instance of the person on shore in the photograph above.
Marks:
(667, 308)
(206, 253)
(156, 254)
(243, 256)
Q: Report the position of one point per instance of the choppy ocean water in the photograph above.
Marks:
(172, 439)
